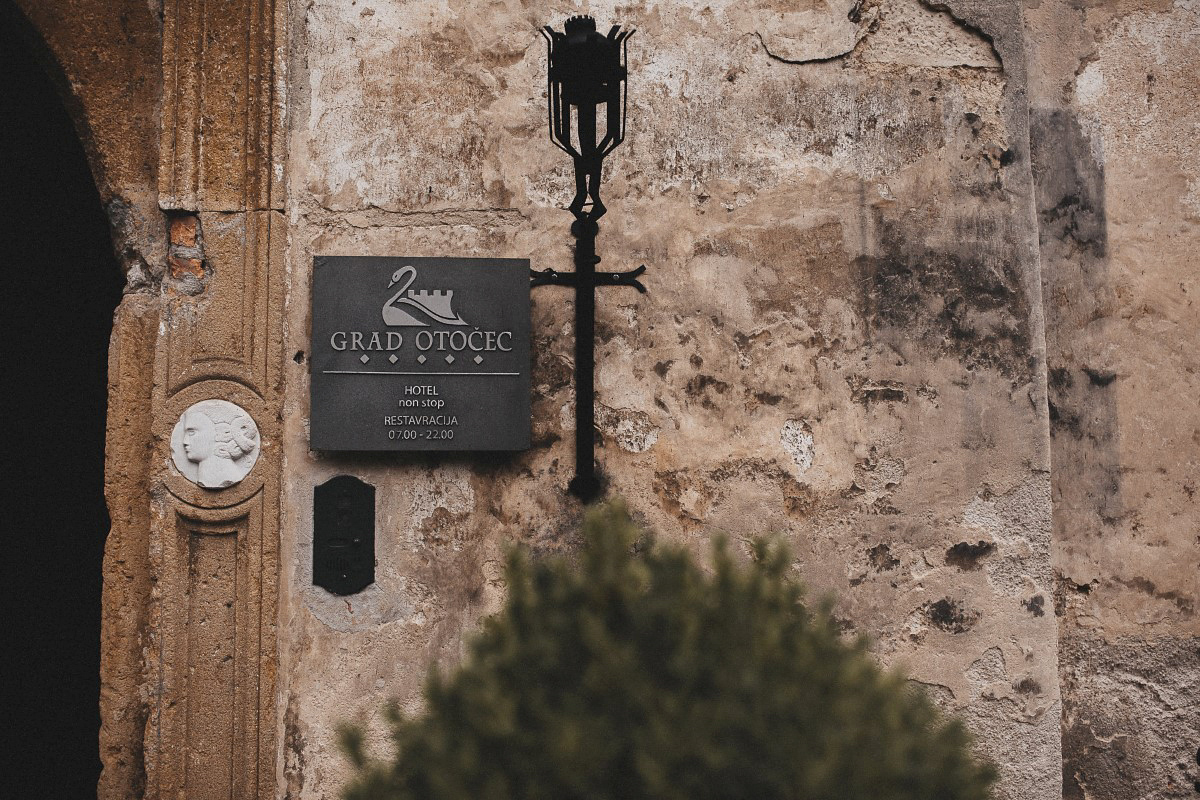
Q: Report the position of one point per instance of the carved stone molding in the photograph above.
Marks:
(214, 553)
(217, 655)
(223, 332)
(214, 537)
(222, 144)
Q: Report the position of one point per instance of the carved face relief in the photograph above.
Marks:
(199, 436)
(215, 444)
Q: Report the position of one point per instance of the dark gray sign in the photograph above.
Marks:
(420, 353)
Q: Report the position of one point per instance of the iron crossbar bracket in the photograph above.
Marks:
(586, 485)
(552, 277)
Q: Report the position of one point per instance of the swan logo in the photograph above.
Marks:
(435, 305)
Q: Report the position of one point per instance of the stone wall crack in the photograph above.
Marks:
(944, 8)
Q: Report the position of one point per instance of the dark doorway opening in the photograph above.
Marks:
(59, 285)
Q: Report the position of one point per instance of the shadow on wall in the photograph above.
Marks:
(61, 285)
(1084, 434)
(1078, 296)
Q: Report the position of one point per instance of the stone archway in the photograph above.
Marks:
(179, 114)
(61, 285)
(104, 59)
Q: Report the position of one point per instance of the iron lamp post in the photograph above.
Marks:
(587, 80)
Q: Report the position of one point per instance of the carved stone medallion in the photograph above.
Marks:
(215, 444)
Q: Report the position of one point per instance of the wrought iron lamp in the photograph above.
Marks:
(587, 79)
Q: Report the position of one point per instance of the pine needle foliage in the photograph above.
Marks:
(644, 676)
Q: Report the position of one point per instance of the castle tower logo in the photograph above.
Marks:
(436, 305)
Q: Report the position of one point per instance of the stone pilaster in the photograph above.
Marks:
(211, 731)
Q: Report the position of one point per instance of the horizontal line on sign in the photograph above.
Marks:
(429, 374)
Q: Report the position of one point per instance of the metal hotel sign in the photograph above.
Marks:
(420, 353)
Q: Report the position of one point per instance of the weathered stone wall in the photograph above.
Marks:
(1117, 163)
(842, 342)
(920, 270)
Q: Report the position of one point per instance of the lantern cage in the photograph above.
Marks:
(587, 75)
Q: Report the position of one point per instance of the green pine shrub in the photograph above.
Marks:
(643, 676)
